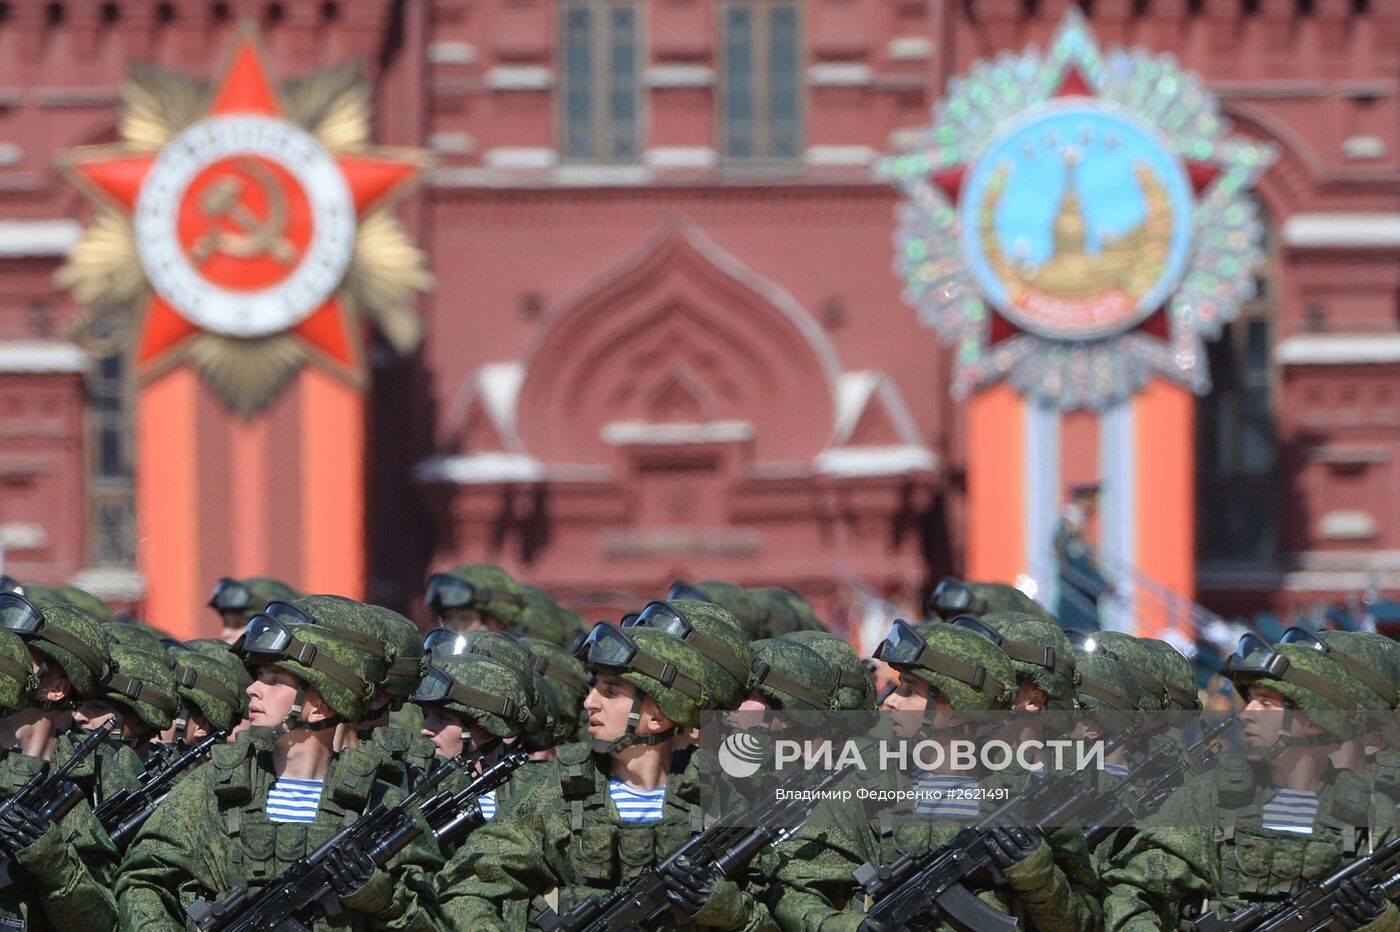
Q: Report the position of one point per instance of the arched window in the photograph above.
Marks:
(1236, 438)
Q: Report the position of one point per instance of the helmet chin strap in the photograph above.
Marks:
(293, 718)
(630, 737)
(1286, 739)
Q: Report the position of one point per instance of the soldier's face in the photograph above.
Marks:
(471, 619)
(445, 729)
(1264, 714)
(1030, 698)
(908, 702)
(609, 703)
(93, 713)
(271, 696)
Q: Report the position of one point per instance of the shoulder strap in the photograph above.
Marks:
(1235, 788)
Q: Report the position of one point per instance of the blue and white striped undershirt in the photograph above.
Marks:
(293, 800)
(1291, 811)
(488, 804)
(933, 802)
(635, 805)
(1117, 770)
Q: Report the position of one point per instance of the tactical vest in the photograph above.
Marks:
(604, 851)
(1261, 865)
(243, 776)
(404, 758)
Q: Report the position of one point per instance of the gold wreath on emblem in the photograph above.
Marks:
(105, 274)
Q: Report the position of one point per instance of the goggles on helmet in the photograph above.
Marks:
(447, 591)
(10, 584)
(608, 648)
(24, 618)
(662, 616)
(1370, 678)
(231, 595)
(1037, 655)
(950, 597)
(444, 642)
(904, 649)
(438, 686)
(1255, 658)
(274, 638)
(681, 590)
(20, 615)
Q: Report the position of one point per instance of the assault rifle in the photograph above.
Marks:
(380, 833)
(452, 816)
(727, 846)
(124, 812)
(1310, 909)
(1120, 804)
(917, 890)
(51, 794)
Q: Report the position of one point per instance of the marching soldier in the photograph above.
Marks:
(237, 600)
(1258, 828)
(60, 875)
(609, 811)
(258, 806)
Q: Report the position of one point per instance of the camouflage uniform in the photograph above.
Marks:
(561, 839)
(75, 642)
(1208, 848)
(484, 692)
(1051, 890)
(190, 849)
(62, 880)
(397, 665)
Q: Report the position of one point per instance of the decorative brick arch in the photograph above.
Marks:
(679, 333)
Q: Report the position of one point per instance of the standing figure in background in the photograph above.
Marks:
(1081, 578)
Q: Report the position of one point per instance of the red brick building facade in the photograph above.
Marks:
(666, 340)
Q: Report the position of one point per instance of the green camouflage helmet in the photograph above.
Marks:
(787, 612)
(565, 683)
(1174, 670)
(953, 597)
(214, 684)
(499, 595)
(725, 652)
(512, 653)
(324, 659)
(382, 633)
(249, 596)
(1373, 660)
(672, 700)
(136, 634)
(1040, 652)
(74, 640)
(964, 667)
(856, 692)
(1310, 679)
(1104, 686)
(481, 690)
(18, 684)
(354, 621)
(78, 598)
(544, 619)
(1136, 658)
(746, 611)
(793, 678)
(141, 680)
(211, 647)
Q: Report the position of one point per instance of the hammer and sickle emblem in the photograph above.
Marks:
(257, 235)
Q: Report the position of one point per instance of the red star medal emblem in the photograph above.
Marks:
(245, 222)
